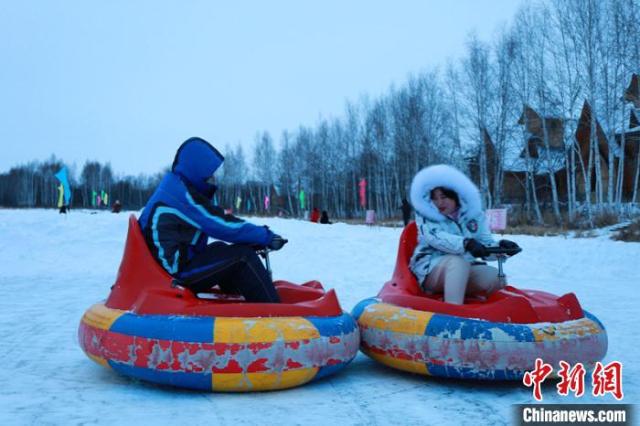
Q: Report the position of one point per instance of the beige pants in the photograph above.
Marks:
(458, 277)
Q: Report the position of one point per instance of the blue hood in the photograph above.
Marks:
(196, 160)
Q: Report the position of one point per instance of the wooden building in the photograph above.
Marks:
(544, 158)
(583, 139)
(632, 93)
(630, 138)
(552, 157)
(515, 163)
(535, 126)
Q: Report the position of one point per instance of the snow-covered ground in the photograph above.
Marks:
(53, 267)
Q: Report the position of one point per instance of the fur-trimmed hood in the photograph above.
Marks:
(448, 177)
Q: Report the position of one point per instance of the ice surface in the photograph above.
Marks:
(53, 267)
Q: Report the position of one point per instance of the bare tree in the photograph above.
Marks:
(264, 163)
(479, 92)
(504, 108)
(524, 87)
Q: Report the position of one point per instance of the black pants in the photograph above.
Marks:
(235, 268)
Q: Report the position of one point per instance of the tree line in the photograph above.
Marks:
(555, 56)
(34, 185)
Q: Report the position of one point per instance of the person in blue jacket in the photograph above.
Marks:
(179, 218)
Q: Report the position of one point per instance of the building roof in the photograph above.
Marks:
(540, 165)
(533, 122)
(515, 163)
(583, 132)
(632, 93)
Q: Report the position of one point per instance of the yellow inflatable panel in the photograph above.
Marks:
(400, 364)
(257, 330)
(99, 316)
(242, 382)
(393, 318)
(567, 330)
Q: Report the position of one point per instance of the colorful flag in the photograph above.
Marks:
(301, 196)
(60, 195)
(64, 181)
(363, 192)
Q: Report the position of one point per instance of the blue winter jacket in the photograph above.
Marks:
(179, 217)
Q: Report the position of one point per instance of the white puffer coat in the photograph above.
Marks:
(438, 234)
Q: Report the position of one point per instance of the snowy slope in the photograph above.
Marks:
(53, 267)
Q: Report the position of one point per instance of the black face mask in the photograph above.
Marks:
(210, 184)
(211, 190)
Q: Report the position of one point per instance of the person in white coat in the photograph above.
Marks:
(452, 234)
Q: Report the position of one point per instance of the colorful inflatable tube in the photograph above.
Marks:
(497, 338)
(220, 354)
(449, 346)
(152, 330)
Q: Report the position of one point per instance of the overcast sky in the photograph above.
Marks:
(126, 81)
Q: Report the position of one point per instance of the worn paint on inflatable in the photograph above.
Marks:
(221, 354)
(449, 346)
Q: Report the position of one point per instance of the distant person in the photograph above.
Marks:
(324, 218)
(180, 217)
(406, 211)
(315, 215)
(116, 207)
(452, 234)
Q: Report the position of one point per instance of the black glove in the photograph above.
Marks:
(277, 242)
(507, 244)
(476, 248)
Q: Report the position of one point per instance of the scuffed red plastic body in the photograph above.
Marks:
(143, 287)
(507, 305)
